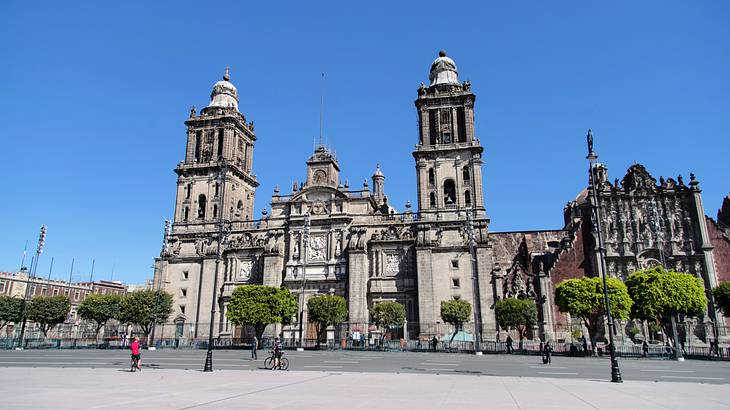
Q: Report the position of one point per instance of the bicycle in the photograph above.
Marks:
(135, 364)
(283, 362)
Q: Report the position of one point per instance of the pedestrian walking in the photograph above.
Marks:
(509, 344)
(547, 353)
(585, 346)
(645, 349)
(254, 348)
(434, 343)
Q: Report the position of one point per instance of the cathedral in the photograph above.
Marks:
(323, 236)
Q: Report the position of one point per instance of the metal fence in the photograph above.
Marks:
(696, 341)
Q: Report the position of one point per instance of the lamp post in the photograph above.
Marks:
(305, 237)
(158, 285)
(31, 273)
(656, 228)
(222, 235)
(471, 236)
(592, 157)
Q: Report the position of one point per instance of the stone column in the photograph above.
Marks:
(357, 288)
(427, 315)
(486, 295)
(273, 268)
(709, 274)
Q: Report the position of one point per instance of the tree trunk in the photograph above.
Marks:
(320, 329)
(259, 329)
(591, 335)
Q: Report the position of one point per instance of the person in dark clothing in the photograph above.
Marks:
(509, 344)
(585, 346)
(254, 347)
(548, 353)
(645, 349)
(434, 343)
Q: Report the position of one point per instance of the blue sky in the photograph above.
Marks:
(94, 98)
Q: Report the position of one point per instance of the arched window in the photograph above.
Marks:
(198, 141)
(188, 190)
(431, 177)
(466, 174)
(215, 210)
(432, 200)
(467, 198)
(186, 214)
(201, 207)
(217, 188)
(449, 192)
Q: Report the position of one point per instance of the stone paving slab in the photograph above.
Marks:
(33, 388)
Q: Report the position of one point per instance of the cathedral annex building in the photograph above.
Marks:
(325, 237)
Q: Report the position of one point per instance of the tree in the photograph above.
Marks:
(48, 311)
(583, 298)
(519, 314)
(722, 298)
(455, 312)
(260, 306)
(11, 310)
(100, 309)
(661, 295)
(146, 308)
(387, 315)
(325, 311)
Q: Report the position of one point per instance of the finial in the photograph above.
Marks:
(693, 180)
(192, 112)
(227, 75)
(442, 53)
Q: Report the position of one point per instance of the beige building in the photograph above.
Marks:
(325, 236)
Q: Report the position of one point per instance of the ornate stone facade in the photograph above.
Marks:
(324, 236)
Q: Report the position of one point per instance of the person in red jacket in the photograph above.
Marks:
(134, 347)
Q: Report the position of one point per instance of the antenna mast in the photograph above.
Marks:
(321, 110)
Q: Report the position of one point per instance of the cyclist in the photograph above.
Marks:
(134, 347)
(278, 350)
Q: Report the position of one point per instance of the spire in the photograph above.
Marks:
(227, 75)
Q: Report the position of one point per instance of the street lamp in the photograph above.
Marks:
(656, 228)
(596, 215)
(305, 237)
(31, 274)
(474, 279)
(223, 229)
(165, 242)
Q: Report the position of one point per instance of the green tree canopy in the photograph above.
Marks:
(260, 306)
(512, 313)
(455, 312)
(100, 309)
(660, 294)
(583, 298)
(145, 308)
(48, 311)
(11, 310)
(326, 310)
(722, 298)
(387, 315)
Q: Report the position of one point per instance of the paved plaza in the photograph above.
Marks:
(172, 379)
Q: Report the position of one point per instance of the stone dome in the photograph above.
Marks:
(225, 94)
(443, 71)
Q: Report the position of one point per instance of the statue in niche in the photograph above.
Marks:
(338, 248)
(295, 254)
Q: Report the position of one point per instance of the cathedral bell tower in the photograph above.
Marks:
(217, 139)
(448, 155)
